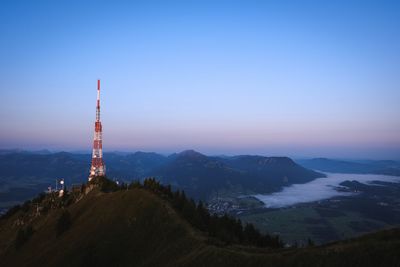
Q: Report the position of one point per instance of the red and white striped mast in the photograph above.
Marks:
(98, 168)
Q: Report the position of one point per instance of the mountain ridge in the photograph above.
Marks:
(200, 175)
(30, 174)
(386, 167)
(138, 228)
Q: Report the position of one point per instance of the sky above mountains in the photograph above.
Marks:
(296, 78)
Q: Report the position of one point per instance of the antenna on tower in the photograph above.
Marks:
(97, 168)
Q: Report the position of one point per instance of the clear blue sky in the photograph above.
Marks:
(297, 78)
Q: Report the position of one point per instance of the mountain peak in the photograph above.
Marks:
(191, 153)
(262, 160)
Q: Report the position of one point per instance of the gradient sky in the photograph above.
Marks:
(297, 78)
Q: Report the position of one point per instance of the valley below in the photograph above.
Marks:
(340, 206)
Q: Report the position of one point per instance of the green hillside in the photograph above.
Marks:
(136, 227)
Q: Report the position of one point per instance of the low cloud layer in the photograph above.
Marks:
(319, 189)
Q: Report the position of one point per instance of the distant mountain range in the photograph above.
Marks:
(24, 174)
(387, 167)
(200, 175)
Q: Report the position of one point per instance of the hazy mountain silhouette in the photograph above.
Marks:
(199, 175)
(23, 175)
(387, 167)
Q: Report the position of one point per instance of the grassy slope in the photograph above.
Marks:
(301, 223)
(137, 228)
